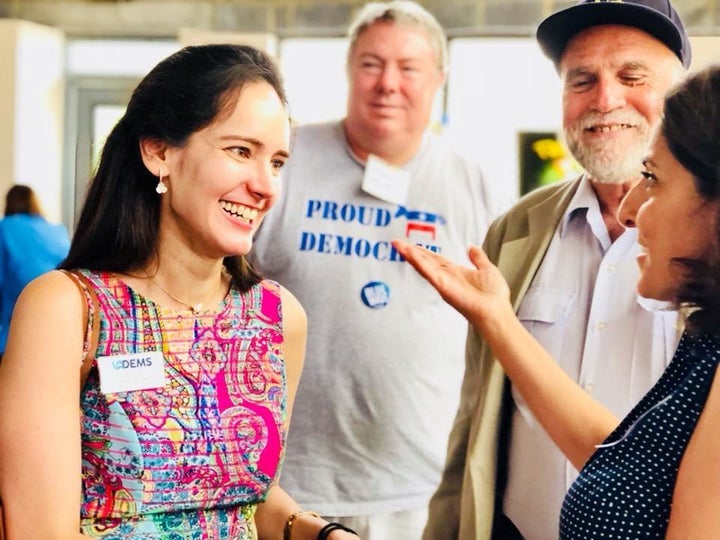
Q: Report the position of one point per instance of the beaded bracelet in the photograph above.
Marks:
(287, 531)
(333, 526)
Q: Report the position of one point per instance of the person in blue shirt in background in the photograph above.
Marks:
(29, 246)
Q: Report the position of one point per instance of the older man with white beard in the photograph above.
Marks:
(571, 268)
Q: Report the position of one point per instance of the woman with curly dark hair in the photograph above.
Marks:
(654, 474)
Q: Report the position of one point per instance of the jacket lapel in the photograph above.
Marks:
(520, 259)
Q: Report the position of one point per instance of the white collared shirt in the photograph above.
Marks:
(582, 306)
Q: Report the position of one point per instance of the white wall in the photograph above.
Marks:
(315, 80)
(32, 95)
(115, 58)
(706, 50)
(498, 88)
(195, 36)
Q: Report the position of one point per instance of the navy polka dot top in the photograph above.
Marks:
(625, 488)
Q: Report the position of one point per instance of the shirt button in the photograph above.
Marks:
(611, 267)
(588, 387)
(601, 326)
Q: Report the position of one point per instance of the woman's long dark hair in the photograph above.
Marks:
(691, 128)
(118, 226)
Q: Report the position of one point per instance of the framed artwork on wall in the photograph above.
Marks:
(544, 159)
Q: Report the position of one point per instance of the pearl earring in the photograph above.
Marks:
(161, 187)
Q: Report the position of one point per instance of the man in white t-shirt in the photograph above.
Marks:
(385, 355)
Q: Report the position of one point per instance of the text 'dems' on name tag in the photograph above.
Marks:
(128, 372)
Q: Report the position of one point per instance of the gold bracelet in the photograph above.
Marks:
(287, 531)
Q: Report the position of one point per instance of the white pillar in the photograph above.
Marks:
(32, 86)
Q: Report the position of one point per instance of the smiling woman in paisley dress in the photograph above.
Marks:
(185, 410)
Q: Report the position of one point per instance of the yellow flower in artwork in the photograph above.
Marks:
(548, 149)
(558, 163)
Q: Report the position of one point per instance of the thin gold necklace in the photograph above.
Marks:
(195, 308)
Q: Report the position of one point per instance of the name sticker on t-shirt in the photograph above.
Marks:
(385, 182)
(128, 372)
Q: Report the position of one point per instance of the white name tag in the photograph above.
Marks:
(128, 372)
(385, 182)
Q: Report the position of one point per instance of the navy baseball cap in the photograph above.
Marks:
(656, 17)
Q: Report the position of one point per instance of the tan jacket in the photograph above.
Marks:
(463, 505)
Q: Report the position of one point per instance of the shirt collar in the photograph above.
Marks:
(410, 166)
(584, 203)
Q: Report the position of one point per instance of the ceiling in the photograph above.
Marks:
(163, 18)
